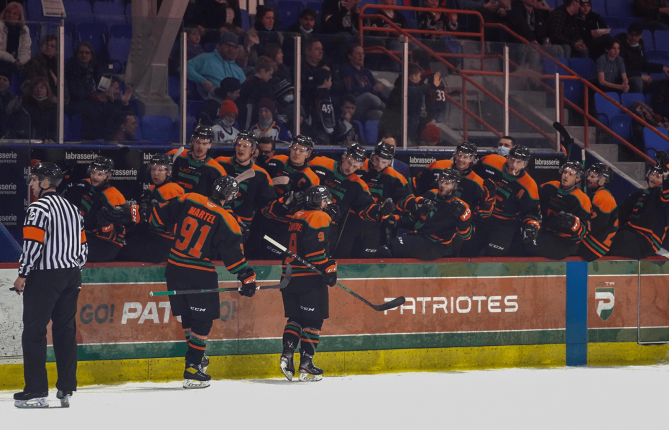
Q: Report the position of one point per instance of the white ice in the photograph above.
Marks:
(558, 398)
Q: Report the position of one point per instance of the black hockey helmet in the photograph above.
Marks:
(303, 140)
(225, 188)
(161, 160)
(601, 170)
(47, 170)
(356, 151)
(102, 163)
(520, 152)
(466, 147)
(654, 168)
(574, 165)
(315, 195)
(203, 132)
(451, 175)
(246, 135)
(384, 150)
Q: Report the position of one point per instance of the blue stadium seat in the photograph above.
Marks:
(626, 20)
(193, 107)
(599, 6)
(69, 46)
(109, 13)
(33, 10)
(364, 2)
(619, 8)
(612, 21)
(95, 34)
(128, 12)
(605, 109)
(173, 85)
(622, 126)
(628, 99)
(317, 7)
(553, 4)
(656, 56)
(139, 134)
(661, 39)
(76, 124)
(585, 67)
(158, 128)
(653, 142)
(190, 126)
(120, 32)
(79, 11)
(648, 40)
(290, 12)
(35, 37)
(362, 130)
(119, 50)
(246, 20)
(550, 68)
(372, 131)
(615, 31)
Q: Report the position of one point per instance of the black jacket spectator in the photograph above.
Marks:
(636, 61)
(532, 26)
(396, 18)
(99, 111)
(45, 63)
(562, 28)
(82, 73)
(40, 105)
(587, 24)
(337, 18)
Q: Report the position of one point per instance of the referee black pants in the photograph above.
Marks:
(50, 295)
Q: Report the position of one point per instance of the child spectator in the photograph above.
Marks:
(224, 127)
(267, 126)
(322, 112)
(347, 130)
(229, 89)
(430, 136)
(284, 97)
(610, 71)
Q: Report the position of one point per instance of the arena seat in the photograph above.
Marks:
(95, 34)
(289, 11)
(653, 142)
(79, 11)
(120, 32)
(605, 109)
(361, 127)
(246, 20)
(109, 13)
(372, 131)
(628, 99)
(619, 8)
(158, 127)
(622, 125)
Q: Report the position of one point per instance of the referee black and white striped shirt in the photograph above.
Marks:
(53, 236)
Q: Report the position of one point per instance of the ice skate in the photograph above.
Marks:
(309, 372)
(64, 397)
(195, 377)
(27, 400)
(205, 363)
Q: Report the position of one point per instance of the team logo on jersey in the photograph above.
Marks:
(31, 215)
(605, 299)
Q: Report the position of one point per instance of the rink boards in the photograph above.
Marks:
(459, 314)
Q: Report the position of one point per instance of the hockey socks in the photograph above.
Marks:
(291, 337)
(309, 340)
(197, 344)
(291, 334)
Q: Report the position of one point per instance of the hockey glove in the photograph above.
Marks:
(248, 280)
(662, 159)
(333, 210)
(386, 208)
(130, 212)
(246, 232)
(530, 233)
(329, 271)
(293, 199)
(425, 206)
(458, 208)
(391, 221)
(569, 221)
(489, 189)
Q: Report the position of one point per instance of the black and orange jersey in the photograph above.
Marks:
(89, 200)
(301, 177)
(348, 192)
(195, 176)
(167, 191)
(555, 200)
(646, 211)
(470, 189)
(441, 225)
(254, 193)
(309, 233)
(603, 223)
(204, 231)
(517, 197)
(387, 184)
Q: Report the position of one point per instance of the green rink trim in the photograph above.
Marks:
(118, 351)
(151, 273)
(610, 335)
(603, 268)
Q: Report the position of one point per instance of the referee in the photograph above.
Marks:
(54, 251)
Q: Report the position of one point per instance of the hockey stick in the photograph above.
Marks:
(568, 141)
(341, 230)
(384, 307)
(281, 285)
(246, 174)
(176, 154)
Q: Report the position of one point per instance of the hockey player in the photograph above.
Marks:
(204, 231)
(348, 191)
(644, 216)
(305, 299)
(296, 168)
(604, 214)
(565, 211)
(255, 193)
(194, 170)
(477, 193)
(146, 242)
(516, 205)
(438, 229)
(96, 199)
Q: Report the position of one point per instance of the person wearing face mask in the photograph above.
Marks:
(224, 127)
(256, 87)
(40, 105)
(284, 94)
(516, 205)
(305, 27)
(266, 125)
(504, 145)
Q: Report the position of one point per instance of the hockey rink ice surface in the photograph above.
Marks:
(556, 398)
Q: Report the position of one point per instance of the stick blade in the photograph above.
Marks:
(247, 174)
(399, 301)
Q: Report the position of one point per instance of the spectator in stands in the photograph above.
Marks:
(15, 43)
(45, 63)
(563, 30)
(436, 21)
(493, 11)
(228, 89)
(360, 82)
(610, 70)
(275, 53)
(267, 126)
(253, 89)
(98, 112)
(430, 136)
(633, 51)
(224, 127)
(392, 15)
(529, 21)
(312, 60)
(346, 129)
(40, 105)
(655, 13)
(82, 75)
(399, 165)
(591, 25)
(193, 46)
(216, 66)
(340, 16)
(391, 121)
(9, 103)
(264, 27)
(305, 26)
(322, 111)
(284, 97)
(124, 128)
(224, 15)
